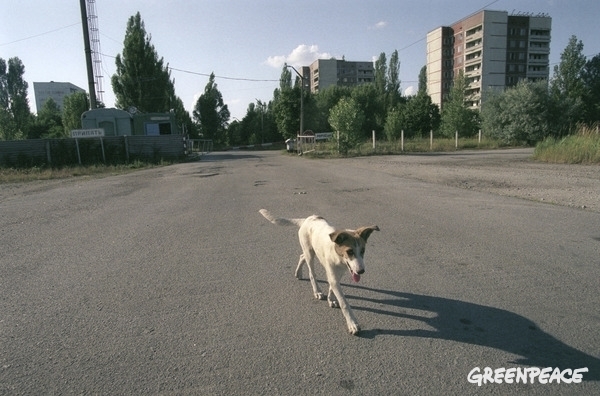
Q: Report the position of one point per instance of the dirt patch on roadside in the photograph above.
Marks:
(505, 172)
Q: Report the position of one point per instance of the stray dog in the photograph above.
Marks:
(337, 250)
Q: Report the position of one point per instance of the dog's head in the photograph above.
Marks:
(350, 246)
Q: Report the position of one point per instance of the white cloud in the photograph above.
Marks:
(410, 91)
(378, 25)
(302, 55)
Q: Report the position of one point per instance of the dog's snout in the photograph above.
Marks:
(361, 271)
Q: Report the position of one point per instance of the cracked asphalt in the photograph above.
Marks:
(169, 281)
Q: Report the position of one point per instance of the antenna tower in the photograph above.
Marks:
(95, 47)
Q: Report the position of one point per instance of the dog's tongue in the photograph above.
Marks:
(355, 277)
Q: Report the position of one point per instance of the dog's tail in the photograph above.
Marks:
(280, 220)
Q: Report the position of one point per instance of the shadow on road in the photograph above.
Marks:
(478, 325)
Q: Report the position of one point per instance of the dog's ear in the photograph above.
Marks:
(365, 232)
(339, 236)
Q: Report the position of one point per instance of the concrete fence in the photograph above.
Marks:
(111, 149)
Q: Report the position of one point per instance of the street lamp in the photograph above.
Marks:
(301, 101)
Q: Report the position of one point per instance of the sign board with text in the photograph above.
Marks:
(87, 133)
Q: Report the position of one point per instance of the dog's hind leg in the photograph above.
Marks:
(301, 263)
(309, 259)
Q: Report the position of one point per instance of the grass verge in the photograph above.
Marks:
(418, 145)
(17, 175)
(580, 148)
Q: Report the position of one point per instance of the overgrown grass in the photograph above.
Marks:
(580, 148)
(17, 175)
(417, 145)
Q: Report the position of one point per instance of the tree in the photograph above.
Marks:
(49, 120)
(567, 79)
(393, 80)
(324, 101)
(591, 98)
(347, 119)
(369, 101)
(394, 124)
(567, 85)
(421, 115)
(456, 116)
(141, 80)
(381, 74)
(15, 114)
(387, 86)
(257, 126)
(422, 89)
(521, 114)
(183, 119)
(74, 106)
(286, 105)
(285, 80)
(211, 113)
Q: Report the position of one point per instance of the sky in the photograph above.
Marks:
(245, 43)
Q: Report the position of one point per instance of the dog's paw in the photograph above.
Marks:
(333, 304)
(298, 274)
(320, 296)
(353, 328)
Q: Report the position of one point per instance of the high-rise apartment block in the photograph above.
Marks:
(323, 73)
(53, 90)
(493, 49)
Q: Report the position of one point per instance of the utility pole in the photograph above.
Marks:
(88, 55)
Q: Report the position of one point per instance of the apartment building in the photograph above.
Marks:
(55, 90)
(323, 73)
(493, 49)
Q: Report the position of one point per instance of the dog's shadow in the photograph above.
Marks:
(475, 324)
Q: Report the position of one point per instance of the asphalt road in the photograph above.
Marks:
(169, 281)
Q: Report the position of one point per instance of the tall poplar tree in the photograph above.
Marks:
(211, 113)
(393, 79)
(15, 114)
(142, 80)
(567, 87)
(286, 105)
(381, 74)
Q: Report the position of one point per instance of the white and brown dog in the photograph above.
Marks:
(337, 250)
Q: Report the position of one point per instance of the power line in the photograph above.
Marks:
(216, 76)
(41, 34)
(224, 77)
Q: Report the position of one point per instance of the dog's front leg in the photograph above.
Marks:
(331, 299)
(351, 322)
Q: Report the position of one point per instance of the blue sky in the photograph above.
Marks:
(246, 42)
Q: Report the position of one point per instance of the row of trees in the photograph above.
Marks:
(525, 113)
(16, 119)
